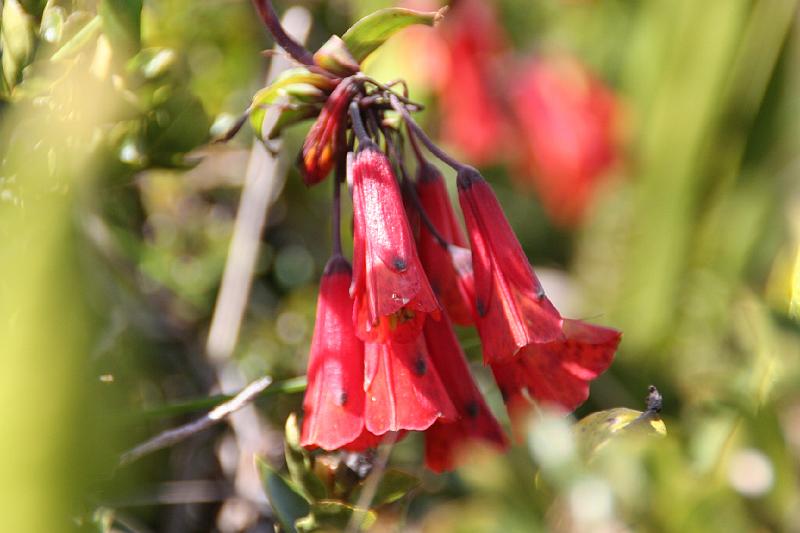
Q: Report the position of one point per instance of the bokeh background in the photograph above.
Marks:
(645, 151)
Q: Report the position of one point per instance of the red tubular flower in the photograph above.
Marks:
(472, 119)
(325, 137)
(567, 118)
(403, 389)
(475, 421)
(557, 373)
(334, 400)
(511, 310)
(434, 257)
(392, 294)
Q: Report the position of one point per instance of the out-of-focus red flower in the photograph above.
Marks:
(511, 310)
(403, 388)
(567, 120)
(556, 373)
(475, 421)
(325, 137)
(392, 294)
(472, 115)
(435, 258)
(334, 400)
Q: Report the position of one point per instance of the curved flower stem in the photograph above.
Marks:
(336, 216)
(359, 130)
(422, 136)
(292, 47)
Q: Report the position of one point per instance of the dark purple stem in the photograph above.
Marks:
(292, 47)
(359, 130)
(422, 136)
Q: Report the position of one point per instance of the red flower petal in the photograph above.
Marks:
(557, 373)
(511, 308)
(334, 400)
(325, 137)
(436, 259)
(403, 388)
(388, 276)
(475, 420)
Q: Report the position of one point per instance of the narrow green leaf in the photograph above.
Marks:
(393, 485)
(122, 20)
(287, 501)
(366, 35)
(334, 515)
(89, 30)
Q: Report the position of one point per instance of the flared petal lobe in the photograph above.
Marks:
(326, 136)
(403, 388)
(333, 405)
(435, 258)
(391, 292)
(511, 310)
(475, 422)
(557, 373)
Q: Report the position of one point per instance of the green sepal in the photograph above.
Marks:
(301, 469)
(369, 33)
(334, 57)
(333, 515)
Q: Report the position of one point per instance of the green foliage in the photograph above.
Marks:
(369, 33)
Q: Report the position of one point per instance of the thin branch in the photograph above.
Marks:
(371, 484)
(270, 18)
(216, 415)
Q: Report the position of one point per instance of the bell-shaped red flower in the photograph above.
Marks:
(475, 420)
(434, 256)
(567, 118)
(511, 310)
(333, 405)
(392, 294)
(472, 118)
(403, 388)
(556, 373)
(326, 136)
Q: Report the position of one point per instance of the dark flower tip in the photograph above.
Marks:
(654, 399)
(467, 176)
(428, 172)
(337, 265)
(367, 145)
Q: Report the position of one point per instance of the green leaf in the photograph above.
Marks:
(53, 19)
(122, 20)
(366, 35)
(297, 94)
(176, 124)
(393, 485)
(333, 515)
(287, 501)
(79, 30)
(299, 462)
(17, 40)
(595, 430)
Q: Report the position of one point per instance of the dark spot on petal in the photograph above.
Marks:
(420, 366)
(399, 264)
(504, 394)
(473, 409)
(342, 400)
(480, 307)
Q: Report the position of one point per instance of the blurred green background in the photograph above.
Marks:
(116, 217)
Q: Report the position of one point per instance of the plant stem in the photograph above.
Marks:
(358, 126)
(422, 136)
(292, 47)
(336, 217)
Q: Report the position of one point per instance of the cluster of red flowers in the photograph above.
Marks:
(548, 114)
(384, 358)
